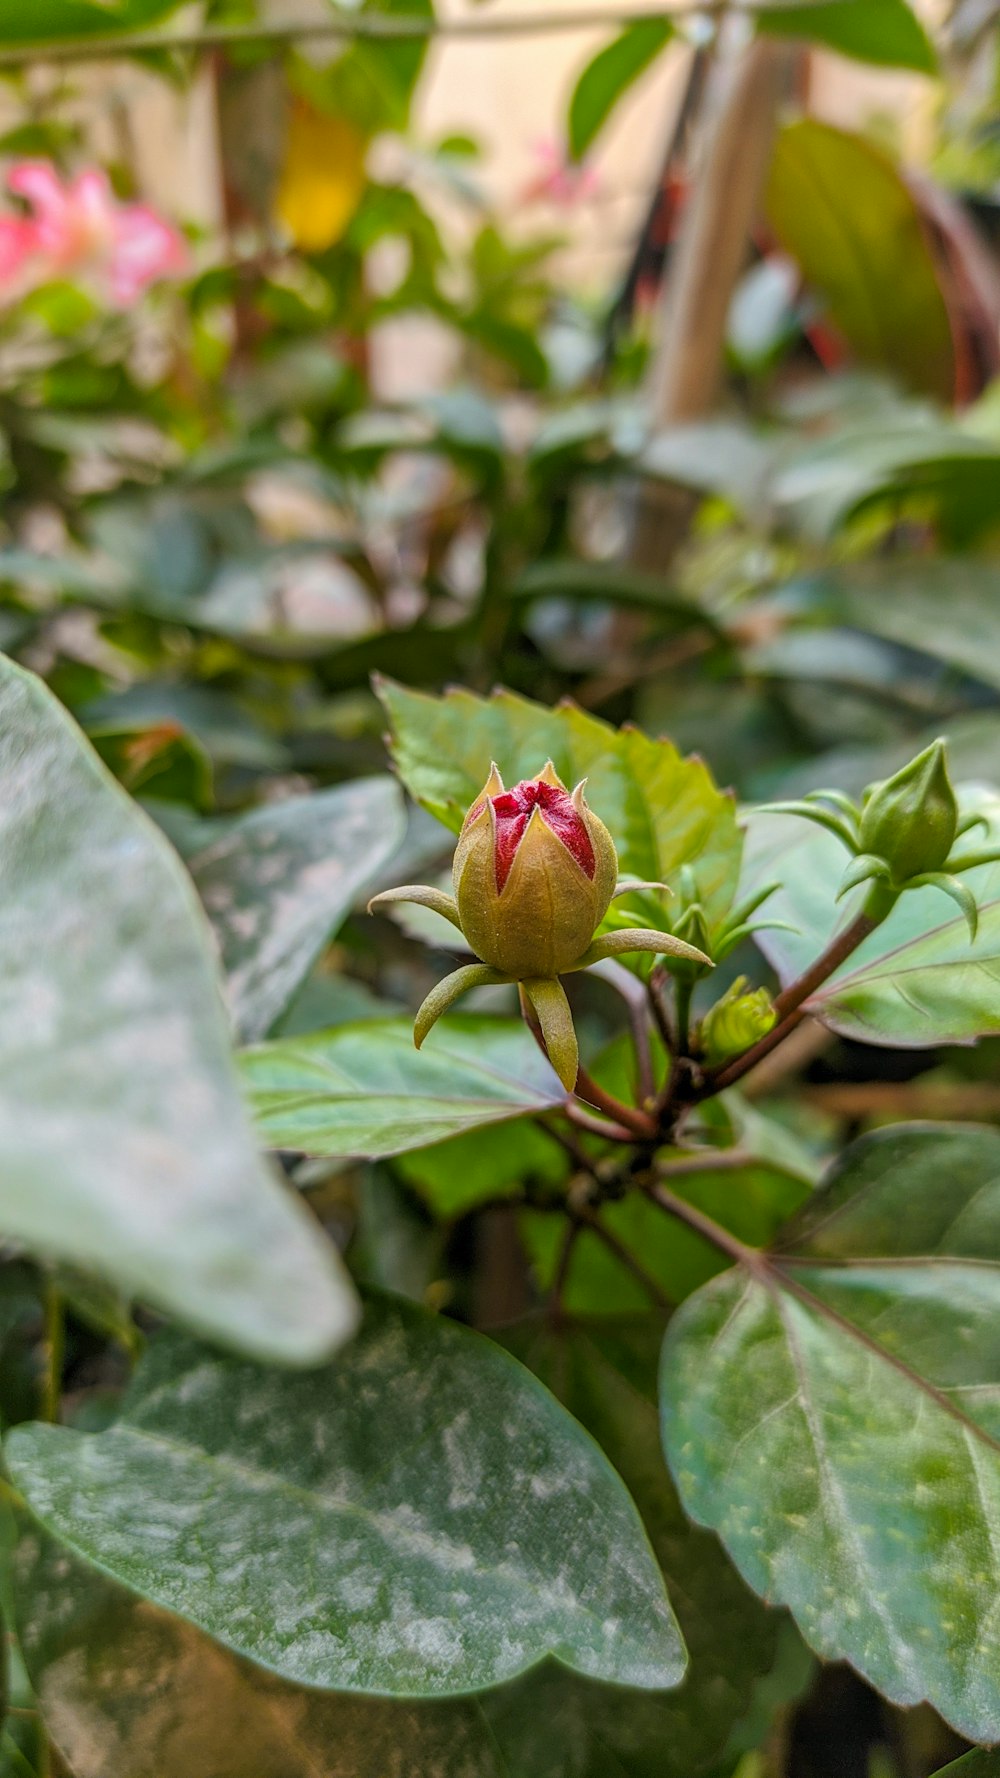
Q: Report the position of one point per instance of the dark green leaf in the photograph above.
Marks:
(886, 32)
(364, 1090)
(124, 1145)
(612, 71)
(364, 1528)
(32, 21)
(663, 811)
(981, 1763)
(454, 1177)
(832, 1411)
(918, 980)
(870, 259)
(279, 882)
(605, 1373)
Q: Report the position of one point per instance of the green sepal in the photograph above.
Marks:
(834, 824)
(635, 885)
(425, 896)
(838, 799)
(953, 886)
(552, 1010)
(743, 910)
(471, 975)
(863, 869)
(640, 938)
(972, 860)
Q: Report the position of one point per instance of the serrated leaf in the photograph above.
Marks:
(917, 980)
(886, 33)
(124, 1144)
(610, 73)
(833, 1411)
(871, 260)
(280, 880)
(363, 1528)
(663, 810)
(364, 1090)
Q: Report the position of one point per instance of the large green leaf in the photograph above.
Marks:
(609, 74)
(980, 1763)
(33, 21)
(935, 469)
(903, 602)
(278, 883)
(917, 980)
(455, 1177)
(870, 258)
(663, 810)
(886, 32)
(124, 1145)
(364, 1090)
(605, 1372)
(419, 1519)
(833, 1411)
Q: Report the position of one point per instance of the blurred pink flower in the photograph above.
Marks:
(77, 227)
(560, 180)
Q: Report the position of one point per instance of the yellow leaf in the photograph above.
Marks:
(322, 179)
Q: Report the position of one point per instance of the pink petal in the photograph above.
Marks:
(40, 184)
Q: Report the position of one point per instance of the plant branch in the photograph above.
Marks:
(641, 1125)
(346, 28)
(654, 988)
(589, 1221)
(790, 1004)
(702, 1225)
(714, 1161)
(596, 1126)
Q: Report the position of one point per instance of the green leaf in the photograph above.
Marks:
(124, 1145)
(457, 1176)
(885, 32)
(604, 1370)
(917, 981)
(870, 259)
(663, 811)
(33, 21)
(980, 1763)
(936, 470)
(419, 1519)
(832, 1411)
(364, 1090)
(279, 882)
(904, 602)
(612, 71)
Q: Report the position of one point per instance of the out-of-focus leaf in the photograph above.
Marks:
(663, 811)
(608, 583)
(609, 74)
(884, 32)
(388, 1527)
(712, 457)
(917, 980)
(982, 1762)
(33, 21)
(870, 259)
(946, 607)
(936, 470)
(831, 1411)
(364, 1089)
(455, 1177)
(124, 1145)
(279, 882)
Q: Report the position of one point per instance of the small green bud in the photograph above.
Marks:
(534, 874)
(692, 927)
(736, 1022)
(911, 819)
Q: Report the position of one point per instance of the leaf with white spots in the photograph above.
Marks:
(280, 880)
(363, 1089)
(124, 1142)
(421, 1518)
(832, 1410)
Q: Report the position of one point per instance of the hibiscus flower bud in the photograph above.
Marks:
(736, 1022)
(911, 819)
(534, 875)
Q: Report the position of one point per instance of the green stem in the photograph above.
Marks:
(54, 1350)
(790, 1004)
(683, 991)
